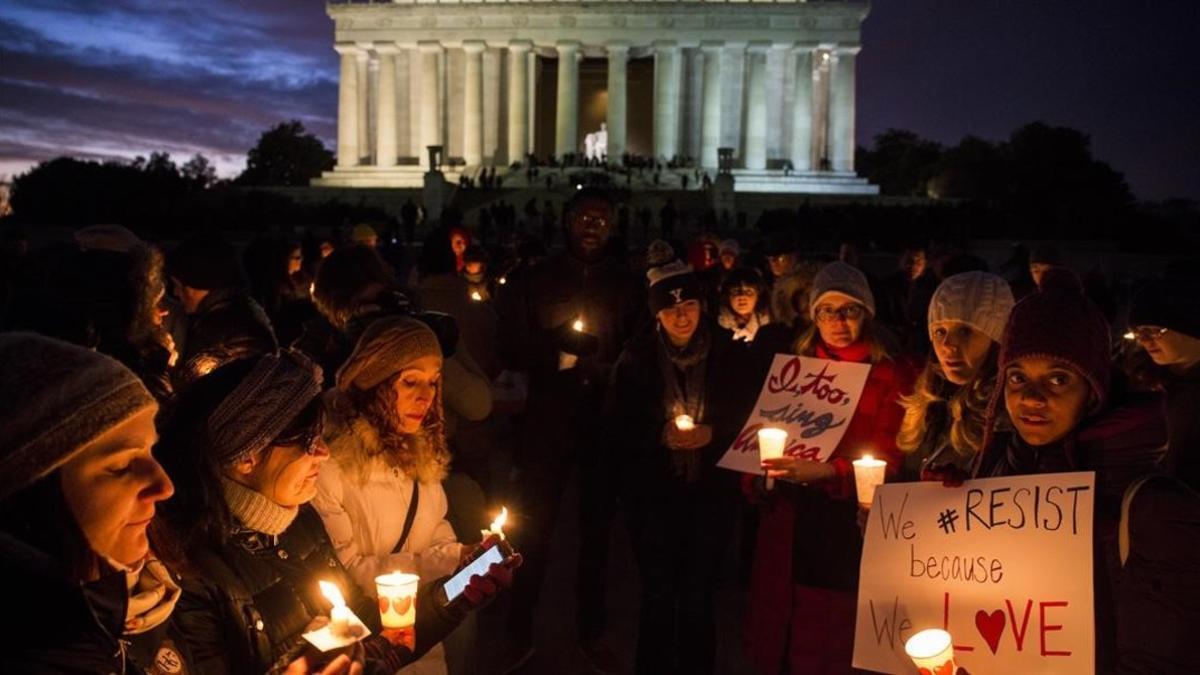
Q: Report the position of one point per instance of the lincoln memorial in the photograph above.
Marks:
(494, 81)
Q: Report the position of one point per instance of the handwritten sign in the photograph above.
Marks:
(813, 399)
(1003, 564)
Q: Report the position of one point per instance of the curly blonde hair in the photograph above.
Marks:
(966, 404)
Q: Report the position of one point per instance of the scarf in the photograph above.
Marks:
(857, 352)
(684, 370)
(256, 511)
(152, 594)
(744, 331)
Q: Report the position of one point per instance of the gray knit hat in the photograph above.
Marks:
(981, 300)
(838, 277)
(659, 253)
(57, 398)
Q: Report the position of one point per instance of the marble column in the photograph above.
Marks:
(430, 97)
(347, 138)
(566, 127)
(618, 63)
(841, 109)
(710, 123)
(518, 100)
(473, 103)
(668, 70)
(802, 110)
(756, 106)
(364, 120)
(385, 106)
(531, 80)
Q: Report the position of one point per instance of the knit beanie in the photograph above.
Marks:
(838, 277)
(263, 404)
(384, 349)
(981, 300)
(1061, 323)
(673, 284)
(1173, 305)
(206, 263)
(659, 253)
(729, 246)
(57, 398)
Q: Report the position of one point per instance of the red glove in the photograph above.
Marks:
(481, 590)
(948, 474)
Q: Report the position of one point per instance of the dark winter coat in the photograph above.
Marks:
(227, 325)
(1183, 427)
(247, 603)
(1121, 444)
(63, 627)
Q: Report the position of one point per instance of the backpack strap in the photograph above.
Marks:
(408, 519)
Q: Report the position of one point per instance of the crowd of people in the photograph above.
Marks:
(190, 441)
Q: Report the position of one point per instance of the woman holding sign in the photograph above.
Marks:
(944, 415)
(803, 589)
(1068, 414)
(673, 401)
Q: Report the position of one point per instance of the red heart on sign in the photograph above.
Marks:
(990, 626)
(402, 605)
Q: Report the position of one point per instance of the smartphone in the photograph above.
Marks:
(455, 585)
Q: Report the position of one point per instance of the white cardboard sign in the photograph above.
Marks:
(813, 399)
(1003, 564)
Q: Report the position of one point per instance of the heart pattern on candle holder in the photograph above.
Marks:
(991, 627)
(946, 668)
(402, 605)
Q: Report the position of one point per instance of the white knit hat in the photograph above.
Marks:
(838, 277)
(981, 300)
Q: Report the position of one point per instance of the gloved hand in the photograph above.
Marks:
(481, 589)
(949, 474)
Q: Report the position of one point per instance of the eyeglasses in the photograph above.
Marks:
(846, 313)
(1148, 332)
(309, 440)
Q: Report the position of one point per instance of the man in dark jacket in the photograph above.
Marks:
(224, 322)
(564, 323)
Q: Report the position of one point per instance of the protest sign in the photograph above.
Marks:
(812, 399)
(1003, 564)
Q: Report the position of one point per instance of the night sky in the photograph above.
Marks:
(118, 78)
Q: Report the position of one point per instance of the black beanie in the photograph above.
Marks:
(206, 263)
(673, 284)
(1174, 305)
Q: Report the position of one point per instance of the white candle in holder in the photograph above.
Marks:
(339, 615)
(868, 474)
(684, 422)
(397, 599)
(771, 442)
(932, 651)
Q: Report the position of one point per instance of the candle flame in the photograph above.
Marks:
(1130, 336)
(578, 325)
(332, 593)
(498, 524)
(476, 296)
(502, 280)
(867, 458)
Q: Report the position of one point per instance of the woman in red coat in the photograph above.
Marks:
(805, 578)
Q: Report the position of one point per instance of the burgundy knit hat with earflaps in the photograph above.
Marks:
(1057, 322)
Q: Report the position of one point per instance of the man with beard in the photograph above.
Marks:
(564, 325)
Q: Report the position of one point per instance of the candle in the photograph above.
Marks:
(868, 473)
(497, 526)
(684, 423)
(771, 442)
(339, 616)
(502, 280)
(476, 296)
(578, 325)
(932, 651)
(397, 599)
